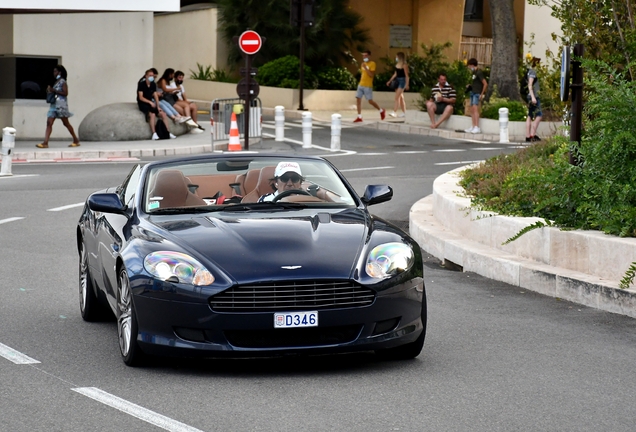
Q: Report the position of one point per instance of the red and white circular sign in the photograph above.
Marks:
(250, 42)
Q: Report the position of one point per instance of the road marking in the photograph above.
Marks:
(459, 162)
(66, 207)
(366, 169)
(267, 126)
(487, 148)
(412, 152)
(449, 150)
(13, 219)
(135, 410)
(342, 152)
(372, 154)
(15, 356)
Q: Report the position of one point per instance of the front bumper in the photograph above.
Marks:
(194, 329)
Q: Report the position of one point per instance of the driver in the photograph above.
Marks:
(287, 176)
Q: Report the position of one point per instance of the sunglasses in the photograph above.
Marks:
(295, 178)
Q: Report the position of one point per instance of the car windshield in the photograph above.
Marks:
(244, 184)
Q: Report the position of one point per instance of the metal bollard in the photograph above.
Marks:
(8, 144)
(336, 131)
(279, 122)
(306, 129)
(503, 125)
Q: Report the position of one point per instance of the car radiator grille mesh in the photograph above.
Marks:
(292, 295)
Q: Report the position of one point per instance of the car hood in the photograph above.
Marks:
(280, 246)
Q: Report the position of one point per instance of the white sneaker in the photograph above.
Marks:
(172, 136)
(476, 130)
(155, 136)
(469, 130)
(182, 119)
(191, 123)
(401, 115)
(393, 114)
(196, 131)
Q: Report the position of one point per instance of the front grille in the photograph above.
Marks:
(294, 337)
(292, 295)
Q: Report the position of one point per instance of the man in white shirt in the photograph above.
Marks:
(287, 176)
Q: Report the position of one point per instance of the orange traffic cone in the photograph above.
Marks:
(235, 142)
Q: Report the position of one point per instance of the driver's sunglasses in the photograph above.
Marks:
(295, 178)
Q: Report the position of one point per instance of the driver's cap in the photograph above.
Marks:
(285, 167)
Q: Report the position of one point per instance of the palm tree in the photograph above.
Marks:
(336, 30)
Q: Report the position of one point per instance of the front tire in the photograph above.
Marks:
(90, 307)
(127, 330)
(410, 350)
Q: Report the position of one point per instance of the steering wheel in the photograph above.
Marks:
(289, 192)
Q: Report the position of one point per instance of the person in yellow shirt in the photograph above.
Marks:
(365, 87)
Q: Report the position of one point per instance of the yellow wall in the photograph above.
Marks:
(440, 21)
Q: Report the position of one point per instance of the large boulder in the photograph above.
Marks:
(120, 122)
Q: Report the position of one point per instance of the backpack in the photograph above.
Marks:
(162, 130)
(523, 86)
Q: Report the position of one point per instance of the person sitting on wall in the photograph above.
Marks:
(146, 97)
(443, 97)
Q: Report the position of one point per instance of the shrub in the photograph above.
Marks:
(285, 72)
(517, 111)
(206, 73)
(336, 78)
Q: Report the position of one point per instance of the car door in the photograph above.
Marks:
(111, 233)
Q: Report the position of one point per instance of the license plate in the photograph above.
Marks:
(296, 319)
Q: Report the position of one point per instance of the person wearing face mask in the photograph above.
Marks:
(365, 87)
(58, 108)
(477, 92)
(146, 97)
(183, 102)
(401, 74)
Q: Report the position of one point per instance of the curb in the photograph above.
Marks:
(458, 251)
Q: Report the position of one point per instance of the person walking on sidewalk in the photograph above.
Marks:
(365, 87)
(401, 75)
(477, 92)
(443, 97)
(57, 97)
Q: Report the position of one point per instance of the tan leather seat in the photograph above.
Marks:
(263, 186)
(172, 187)
(248, 181)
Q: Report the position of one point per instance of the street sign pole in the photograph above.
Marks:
(249, 43)
(576, 122)
(302, 55)
(248, 99)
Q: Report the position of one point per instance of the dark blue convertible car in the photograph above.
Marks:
(249, 254)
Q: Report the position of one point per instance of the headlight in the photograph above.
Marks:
(389, 259)
(177, 267)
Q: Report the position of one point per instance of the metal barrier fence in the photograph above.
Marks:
(221, 116)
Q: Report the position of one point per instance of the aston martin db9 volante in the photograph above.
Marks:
(249, 254)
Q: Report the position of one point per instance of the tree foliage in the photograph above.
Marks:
(606, 28)
(336, 31)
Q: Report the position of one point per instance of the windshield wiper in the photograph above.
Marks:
(262, 206)
(181, 210)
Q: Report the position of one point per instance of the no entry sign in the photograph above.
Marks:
(250, 42)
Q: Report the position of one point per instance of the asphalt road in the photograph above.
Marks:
(496, 357)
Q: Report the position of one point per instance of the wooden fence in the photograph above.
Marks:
(477, 47)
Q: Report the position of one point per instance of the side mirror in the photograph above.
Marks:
(106, 203)
(376, 194)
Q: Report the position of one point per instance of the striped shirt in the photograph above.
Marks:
(448, 92)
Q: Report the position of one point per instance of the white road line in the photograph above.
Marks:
(449, 150)
(268, 126)
(487, 148)
(459, 162)
(20, 175)
(15, 356)
(135, 410)
(13, 219)
(66, 207)
(412, 152)
(366, 169)
(342, 152)
(372, 154)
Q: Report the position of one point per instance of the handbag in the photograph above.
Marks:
(170, 98)
(393, 85)
(51, 97)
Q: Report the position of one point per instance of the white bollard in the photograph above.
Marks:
(336, 131)
(503, 125)
(307, 129)
(279, 122)
(8, 144)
